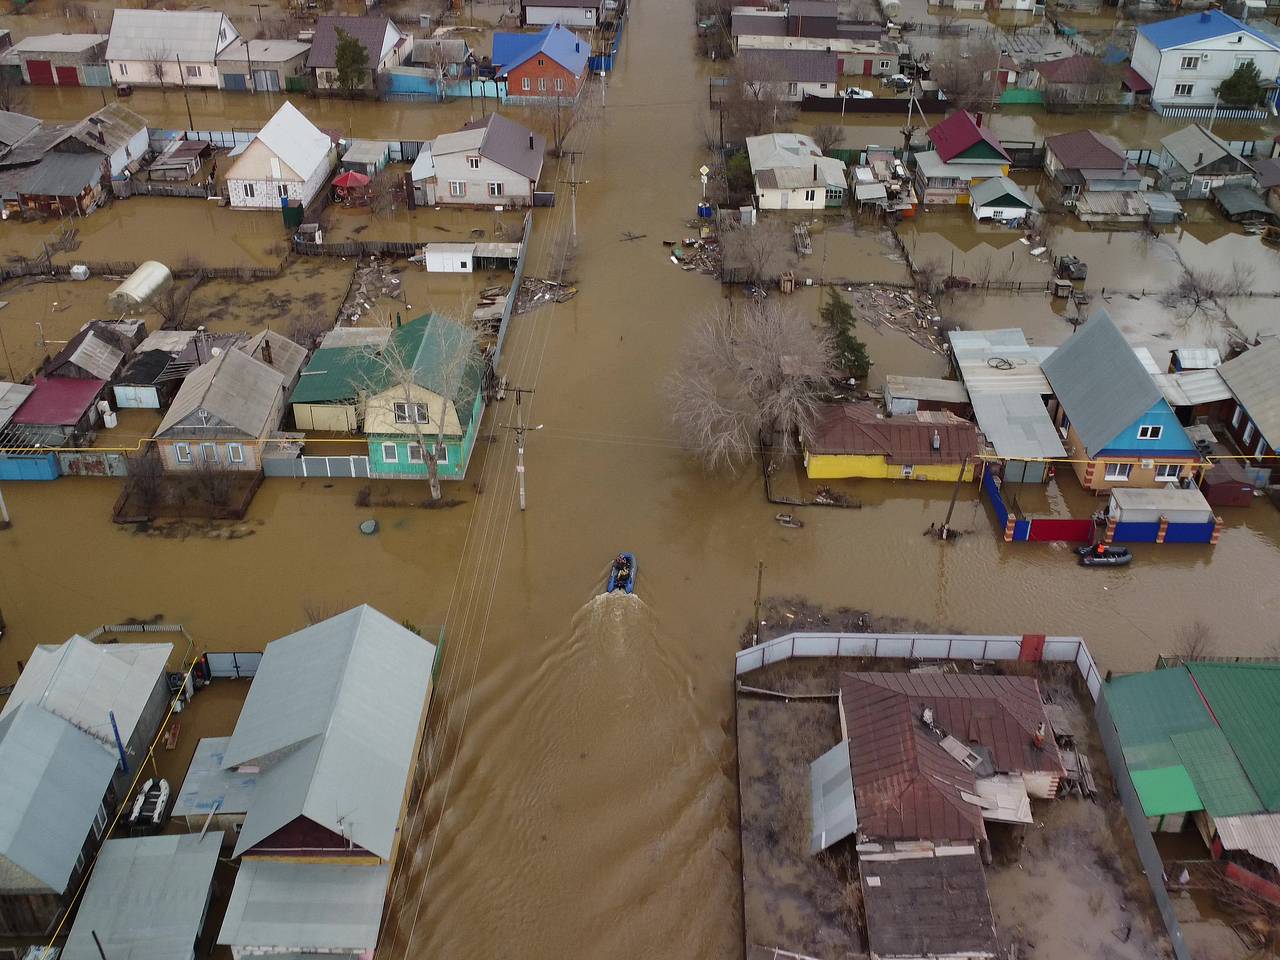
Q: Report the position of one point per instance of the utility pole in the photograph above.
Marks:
(574, 183)
(755, 624)
(519, 430)
(945, 532)
(183, 78)
(4, 513)
(259, 6)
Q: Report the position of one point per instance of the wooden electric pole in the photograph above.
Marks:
(519, 428)
(574, 183)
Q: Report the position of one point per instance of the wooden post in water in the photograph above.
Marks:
(945, 532)
(755, 627)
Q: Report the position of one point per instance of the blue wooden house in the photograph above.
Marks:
(1118, 429)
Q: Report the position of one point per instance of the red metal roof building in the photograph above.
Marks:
(859, 429)
(58, 402)
(908, 781)
(962, 138)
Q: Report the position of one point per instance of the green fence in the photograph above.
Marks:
(1016, 95)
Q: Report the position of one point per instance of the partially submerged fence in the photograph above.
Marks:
(509, 309)
(343, 468)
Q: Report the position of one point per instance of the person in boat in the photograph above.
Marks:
(1101, 550)
(623, 566)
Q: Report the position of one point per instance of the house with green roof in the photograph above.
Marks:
(415, 391)
(1199, 742)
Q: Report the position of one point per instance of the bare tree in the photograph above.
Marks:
(1197, 292)
(145, 478)
(828, 136)
(928, 276)
(397, 391)
(383, 191)
(173, 302)
(964, 70)
(1194, 640)
(565, 117)
(437, 61)
(211, 485)
(155, 57)
(759, 375)
(753, 254)
(756, 100)
(13, 95)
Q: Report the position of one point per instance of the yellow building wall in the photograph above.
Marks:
(822, 466)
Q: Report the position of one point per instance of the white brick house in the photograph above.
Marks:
(290, 158)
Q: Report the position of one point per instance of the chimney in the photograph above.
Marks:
(577, 47)
(977, 119)
(936, 441)
(1205, 17)
(815, 173)
(531, 141)
(1199, 160)
(266, 352)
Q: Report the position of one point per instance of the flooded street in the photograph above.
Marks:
(579, 792)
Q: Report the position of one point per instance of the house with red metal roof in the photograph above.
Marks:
(938, 756)
(964, 154)
(859, 440)
(58, 412)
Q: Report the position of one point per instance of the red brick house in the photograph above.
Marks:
(545, 67)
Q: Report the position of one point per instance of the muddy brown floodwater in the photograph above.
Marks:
(580, 796)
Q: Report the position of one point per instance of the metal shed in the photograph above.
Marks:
(1150, 505)
(449, 257)
(367, 156)
(497, 256)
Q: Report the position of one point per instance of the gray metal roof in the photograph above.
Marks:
(197, 36)
(1237, 200)
(997, 187)
(233, 387)
(366, 151)
(83, 681)
(308, 907)
(1100, 381)
(1198, 358)
(1191, 387)
(834, 814)
(115, 123)
(208, 788)
(926, 388)
(515, 147)
(355, 337)
(61, 175)
(794, 66)
(15, 126)
(287, 357)
(11, 397)
(342, 701)
(1254, 378)
(95, 355)
(146, 898)
(999, 361)
(1017, 425)
(1193, 147)
(54, 778)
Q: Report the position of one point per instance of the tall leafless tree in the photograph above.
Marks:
(156, 57)
(756, 99)
(758, 375)
(754, 254)
(965, 72)
(392, 378)
(565, 117)
(828, 136)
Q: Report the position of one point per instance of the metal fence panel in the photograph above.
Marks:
(856, 646)
(1059, 650)
(509, 309)
(230, 666)
(1000, 650)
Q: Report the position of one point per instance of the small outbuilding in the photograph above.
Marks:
(449, 257)
(1154, 504)
(999, 199)
(367, 156)
(139, 287)
(1240, 204)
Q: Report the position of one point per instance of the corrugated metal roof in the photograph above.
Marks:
(859, 429)
(1245, 699)
(192, 35)
(1101, 384)
(346, 696)
(1197, 358)
(515, 147)
(1148, 708)
(933, 166)
(1258, 835)
(959, 133)
(58, 401)
(1196, 28)
(300, 144)
(1166, 790)
(286, 356)
(424, 165)
(1159, 498)
(833, 813)
(355, 336)
(91, 353)
(1086, 150)
(83, 681)
(310, 907)
(115, 123)
(999, 361)
(1017, 424)
(12, 396)
(997, 188)
(234, 388)
(61, 175)
(1219, 779)
(208, 787)
(55, 777)
(1193, 147)
(1254, 378)
(366, 151)
(1237, 200)
(334, 374)
(146, 898)
(794, 66)
(15, 126)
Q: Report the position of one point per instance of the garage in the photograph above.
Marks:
(68, 76)
(40, 73)
(266, 81)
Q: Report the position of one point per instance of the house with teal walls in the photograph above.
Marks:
(1117, 427)
(432, 404)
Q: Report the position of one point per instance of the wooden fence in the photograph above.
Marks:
(123, 189)
(356, 248)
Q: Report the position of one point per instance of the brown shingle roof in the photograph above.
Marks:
(857, 429)
(906, 785)
(370, 31)
(1077, 68)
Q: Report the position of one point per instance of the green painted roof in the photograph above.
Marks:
(1147, 708)
(1218, 777)
(336, 374)
(1166, 790)
(1245, 697)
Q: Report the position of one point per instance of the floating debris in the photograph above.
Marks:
(534, 293)
(902, 310)
(369, 527)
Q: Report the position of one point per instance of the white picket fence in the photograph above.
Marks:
(918, 646)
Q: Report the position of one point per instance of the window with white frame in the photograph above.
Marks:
(559, 84)
(525, 84)
(390, 453)
(248, 190)
(99, 820)
(183, 452)
(1237, 416)
(124, 69)
(495, 188)
(1191, 63)
(810, 196)
(209, 452)
(193, 71)
(834, 195)
(885, 65)
(1168, 471)
(1118, 471)
(457, 188)
(473, 163)
(283, 190)
(410, 412)
(441, 453)
(235, 453)
(793, 89)
(542, 84)
(1183, 89)
(1261, 448)
(415, 453)
(1150, 431)
(1248, 433)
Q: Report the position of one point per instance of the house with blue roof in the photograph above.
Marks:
(548, 67)
(1118, 429)
(1185, 59)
